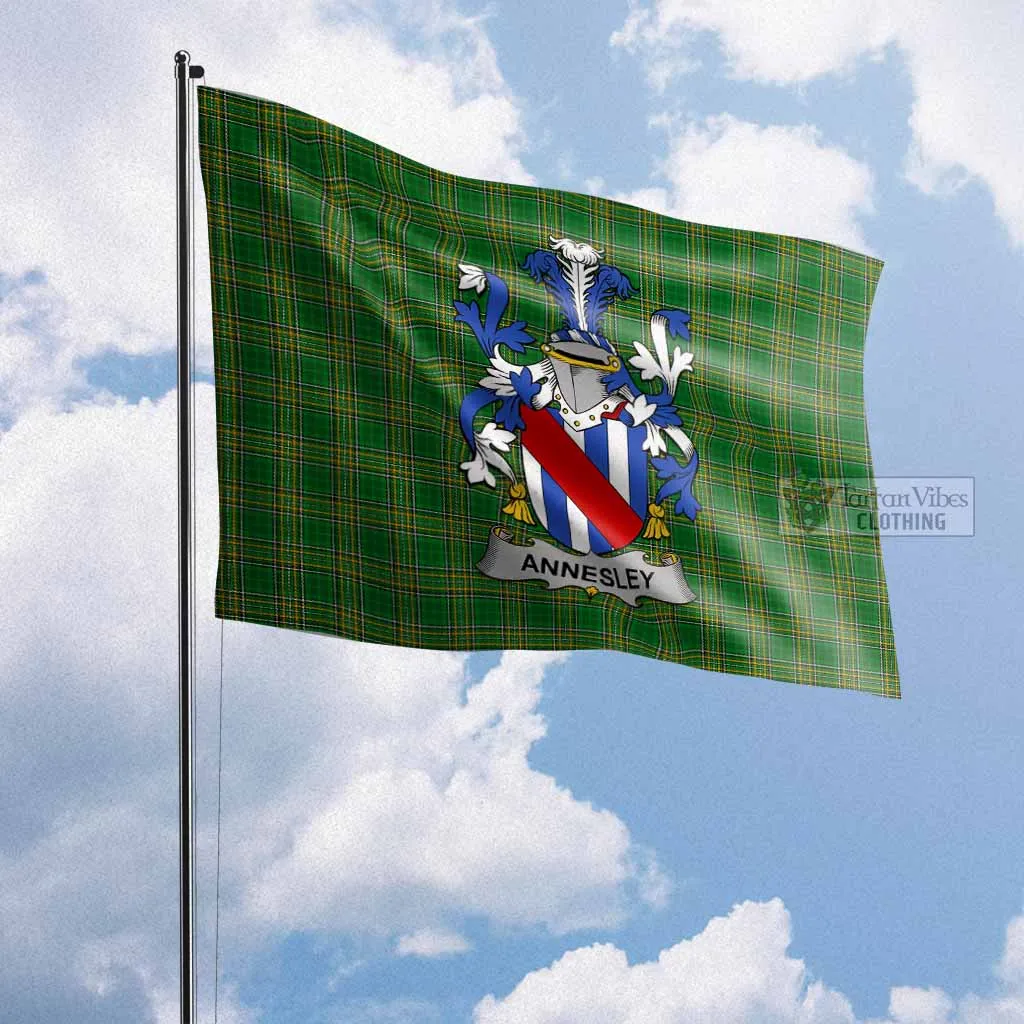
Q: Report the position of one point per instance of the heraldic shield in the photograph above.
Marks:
(587, 433)
(586, 470)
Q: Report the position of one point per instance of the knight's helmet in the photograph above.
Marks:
(580, 355)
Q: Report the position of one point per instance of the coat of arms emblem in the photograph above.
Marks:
(587, 433)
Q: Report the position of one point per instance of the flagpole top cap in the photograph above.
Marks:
(182, 57)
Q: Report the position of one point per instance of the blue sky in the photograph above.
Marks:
(416, 837)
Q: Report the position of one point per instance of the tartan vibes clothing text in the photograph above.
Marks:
(467, 415)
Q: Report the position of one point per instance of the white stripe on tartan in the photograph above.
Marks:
(618, 457)
(535, 485)
(578, 524)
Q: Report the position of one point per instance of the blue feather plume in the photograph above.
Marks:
(610, 283)
(542, 266)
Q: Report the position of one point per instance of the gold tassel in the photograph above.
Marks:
(517, 507)
(656, 528)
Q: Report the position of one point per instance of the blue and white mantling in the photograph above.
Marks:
(581, 382)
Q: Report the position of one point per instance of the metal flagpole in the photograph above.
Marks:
(183, 72)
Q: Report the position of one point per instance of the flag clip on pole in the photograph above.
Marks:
(182, 73)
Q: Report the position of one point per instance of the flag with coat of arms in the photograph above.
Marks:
(468, 415)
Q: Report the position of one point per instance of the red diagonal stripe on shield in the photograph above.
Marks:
(581, 480)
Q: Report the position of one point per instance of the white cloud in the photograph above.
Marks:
(37, 356)
(89, 906)
(432, 942)
(781, 43)
(967, 118)
(919, 1006)
(87, 161)
(365, 788)
(410, 826)
(736, 971)
(1011, 967)
(779, 178)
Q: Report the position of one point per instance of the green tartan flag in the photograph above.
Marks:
(469, 415)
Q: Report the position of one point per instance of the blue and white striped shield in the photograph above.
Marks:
(588, 484)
